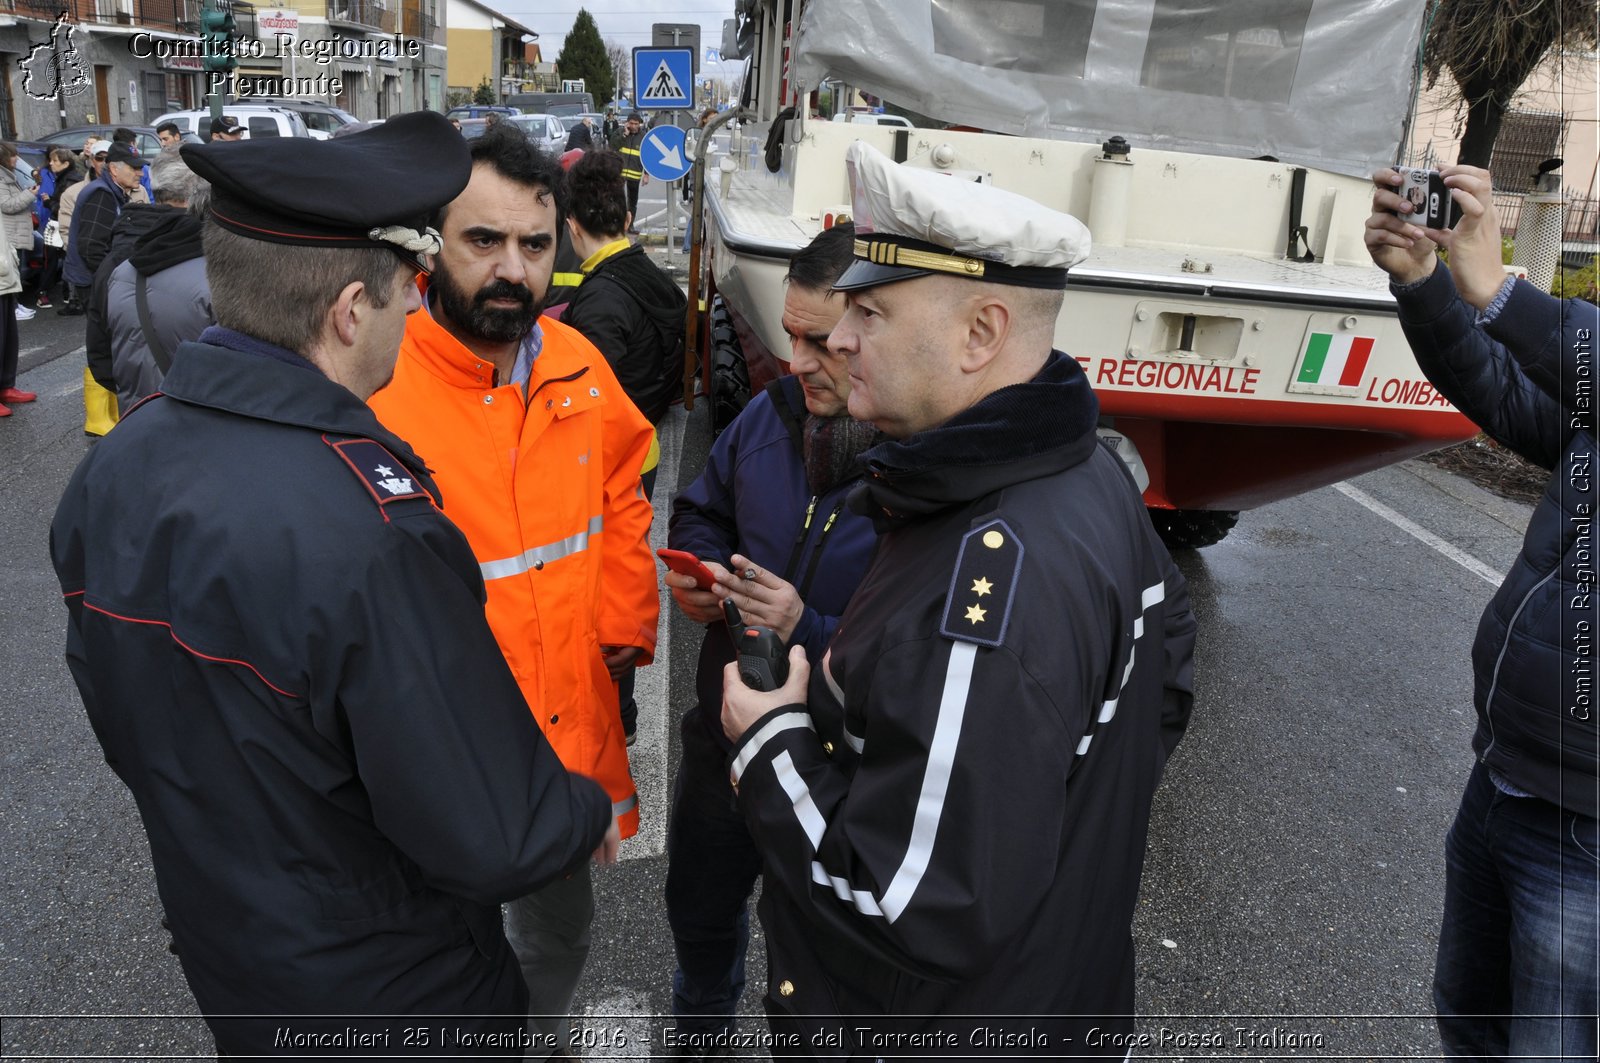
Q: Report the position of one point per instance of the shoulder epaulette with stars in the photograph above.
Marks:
(982, 589)
(383, 474)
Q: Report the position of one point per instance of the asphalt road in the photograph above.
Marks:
(1293, 885)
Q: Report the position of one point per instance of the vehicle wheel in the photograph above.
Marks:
(1190, 529)
(730, 376)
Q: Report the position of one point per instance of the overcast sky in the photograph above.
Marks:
(624, 22)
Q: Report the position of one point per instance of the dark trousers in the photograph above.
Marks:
(1518, 971)
(629, 708)
(633, 203)
(52, 270)
(712, 867)
(9, 349)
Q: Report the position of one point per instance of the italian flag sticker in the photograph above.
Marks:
(1336, 361)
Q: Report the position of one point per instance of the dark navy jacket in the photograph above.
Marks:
(752, 499)
(954, 826)
(281, 645)
(1528, 379)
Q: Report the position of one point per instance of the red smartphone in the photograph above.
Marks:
(686, 564)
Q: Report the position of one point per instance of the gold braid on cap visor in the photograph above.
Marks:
(423, 242)
(883, 253)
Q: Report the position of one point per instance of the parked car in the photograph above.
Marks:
(321, 119)
(259, 120)
(479, 110)
(545, 130)
(144, 138)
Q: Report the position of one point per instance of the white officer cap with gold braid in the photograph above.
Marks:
(913, 222)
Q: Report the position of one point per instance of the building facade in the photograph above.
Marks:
(486, 45)
(67, 63)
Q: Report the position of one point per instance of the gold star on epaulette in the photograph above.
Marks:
(983, 587)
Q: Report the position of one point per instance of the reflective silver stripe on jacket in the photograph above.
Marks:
(775, 726)
(626, 805)
(540, 556)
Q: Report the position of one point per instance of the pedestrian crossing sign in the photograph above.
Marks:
(663, 78)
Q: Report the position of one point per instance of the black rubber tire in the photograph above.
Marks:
(1190, 529)
(730, 376)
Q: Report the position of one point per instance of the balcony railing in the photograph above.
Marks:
(370, 14)
(419, 24)
(179, 16)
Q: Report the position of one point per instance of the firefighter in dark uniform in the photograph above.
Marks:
(281, 644)
(632, 164)
(953, 817)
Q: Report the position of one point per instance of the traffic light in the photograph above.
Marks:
(216, 33)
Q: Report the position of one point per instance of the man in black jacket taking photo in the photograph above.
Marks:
(1518, 969)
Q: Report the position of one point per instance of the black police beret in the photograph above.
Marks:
(335, 193)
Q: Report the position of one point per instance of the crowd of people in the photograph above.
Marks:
(73, 224)
(374, 703)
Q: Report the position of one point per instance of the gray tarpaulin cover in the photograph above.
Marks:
(1324, 83)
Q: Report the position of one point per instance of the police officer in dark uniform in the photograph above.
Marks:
(953, 817)
(281, 645)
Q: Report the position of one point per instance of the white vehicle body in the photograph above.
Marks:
(258, 121)
(1241, 343)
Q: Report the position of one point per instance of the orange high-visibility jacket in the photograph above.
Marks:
(548, 495)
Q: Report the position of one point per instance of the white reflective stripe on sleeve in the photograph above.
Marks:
(857, 744)
(805, 809)
(935, 779)
(850, 740)
(811, 821)
(841, 889)
(1151, 596)
(777, 725)
(541, 555)
(626, 805)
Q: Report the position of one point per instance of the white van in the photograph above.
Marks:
(258, 121)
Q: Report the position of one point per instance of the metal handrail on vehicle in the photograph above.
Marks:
(691, 323)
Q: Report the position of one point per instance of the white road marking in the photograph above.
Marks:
(1416, 531)
(648, 754)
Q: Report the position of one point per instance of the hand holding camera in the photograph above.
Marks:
(1432, 206)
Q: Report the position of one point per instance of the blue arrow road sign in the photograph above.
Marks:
(665, 153)
(663, 78)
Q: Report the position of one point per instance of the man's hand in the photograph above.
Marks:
(1475, 249)
(701, 606)
(619, 659)
(762, 598)
(1401, 248)
(742, 706)
(607, 852)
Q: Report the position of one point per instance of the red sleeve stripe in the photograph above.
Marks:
(190, 649)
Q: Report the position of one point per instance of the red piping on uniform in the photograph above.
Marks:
(203, 656)
(356, 241)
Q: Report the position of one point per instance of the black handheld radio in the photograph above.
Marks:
(763, 662)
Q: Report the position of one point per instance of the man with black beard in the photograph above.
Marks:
(537, 450)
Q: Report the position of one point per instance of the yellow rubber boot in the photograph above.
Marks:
(99, 406)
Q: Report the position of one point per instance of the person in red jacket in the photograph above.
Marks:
(537, 451)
